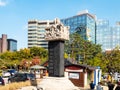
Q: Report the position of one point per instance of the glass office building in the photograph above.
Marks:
(95, 30)
(103, 34)
(7, 44)
(12, 45)
(115, 36)
(108, 37)
(84, 24)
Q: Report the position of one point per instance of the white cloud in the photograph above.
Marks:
(3, 3)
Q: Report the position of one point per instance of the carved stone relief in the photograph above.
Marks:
(57, 31)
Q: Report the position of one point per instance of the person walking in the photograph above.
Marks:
(110, 86)
(99, 87)
(118, 86)
(92, 85)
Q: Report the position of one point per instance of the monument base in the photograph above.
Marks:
(56, 58)
(56, 83)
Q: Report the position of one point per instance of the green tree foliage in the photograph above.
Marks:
(10, 59)
(97, 61)
(80, 48)
(23, 53)
(36, 61)
(65, 55)
(112, 61)
(7, 55)
(40, 52)
(7, 59)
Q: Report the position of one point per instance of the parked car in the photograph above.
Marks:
(5, 78)
(31, 76)
(18, 77)
(2, 81)
(12, 71)
(118, 78)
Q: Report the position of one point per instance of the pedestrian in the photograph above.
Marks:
(99, 87)
(118, 86)
(92, 85)
(110, 86)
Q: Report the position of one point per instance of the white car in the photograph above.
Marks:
(5, 76)
(118, 78)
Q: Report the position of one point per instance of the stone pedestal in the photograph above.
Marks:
(55, 83)
(56, 58)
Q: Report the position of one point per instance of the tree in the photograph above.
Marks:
(36, 61)
(12, 59)
(65, 55)
(97, 61)
(39, 52)
(78, 48)
(6, 55)
(112, 59)
(24, 54)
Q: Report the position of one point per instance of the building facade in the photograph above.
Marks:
(7, 44)
(84, 24)
(36, 32)
(3, 43)
(87, 25)
(12, 45)
(103, 34)
(115, 39)
(108, 37)
(95, 30)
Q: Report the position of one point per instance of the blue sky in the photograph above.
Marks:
(14, 14)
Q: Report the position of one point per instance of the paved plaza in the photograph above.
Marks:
(55, 83)
(79, 88)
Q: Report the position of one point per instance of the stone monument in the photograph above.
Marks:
(56, 34)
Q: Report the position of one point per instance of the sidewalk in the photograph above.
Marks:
(88, 88)
(80, 88)
(50, 83)
(57, 83)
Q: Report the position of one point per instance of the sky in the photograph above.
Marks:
(14, 14)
